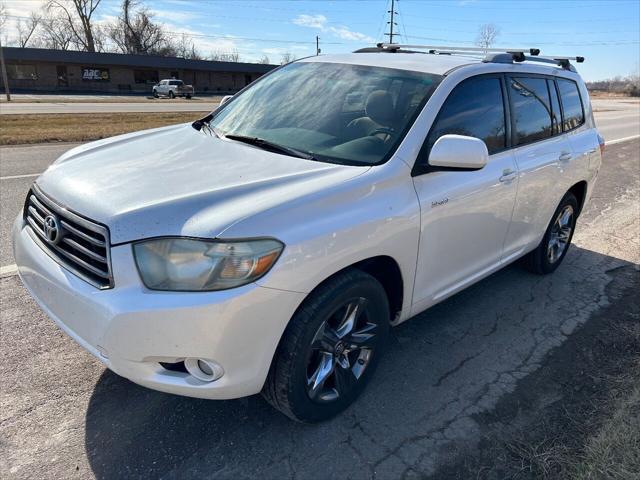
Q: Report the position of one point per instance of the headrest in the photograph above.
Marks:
(379, 107)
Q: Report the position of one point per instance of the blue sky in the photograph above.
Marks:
(607, 33)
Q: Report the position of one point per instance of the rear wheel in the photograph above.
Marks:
(554, 245)
(330, 348)
(171, 94)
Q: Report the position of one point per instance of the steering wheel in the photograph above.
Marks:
(383, 130)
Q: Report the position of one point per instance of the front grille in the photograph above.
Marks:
(78, 244)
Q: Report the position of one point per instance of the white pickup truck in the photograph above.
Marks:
(172, 88)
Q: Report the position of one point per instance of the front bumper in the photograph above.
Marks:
(131, 329)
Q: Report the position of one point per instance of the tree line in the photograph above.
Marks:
(72, 25)
(629, 85)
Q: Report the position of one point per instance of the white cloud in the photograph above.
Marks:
(346, 34)
(174, 16)
(312, 21)
(320, 22)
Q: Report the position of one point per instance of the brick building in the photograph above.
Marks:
(37, 69)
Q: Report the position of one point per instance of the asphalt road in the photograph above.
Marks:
(62, 415)
(617, 118)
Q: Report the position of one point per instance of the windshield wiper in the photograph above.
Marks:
(273, 147)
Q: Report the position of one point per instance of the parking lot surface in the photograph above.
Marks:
(62, 415)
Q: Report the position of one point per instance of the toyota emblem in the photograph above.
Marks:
(51, 229)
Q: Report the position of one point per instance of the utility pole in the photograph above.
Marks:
(317, 45)
(392, 23)
(4, 74)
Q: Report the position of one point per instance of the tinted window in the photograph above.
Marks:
(531, 109)
(556, 115)
(175, 82)
(475, 109)
(571, 104)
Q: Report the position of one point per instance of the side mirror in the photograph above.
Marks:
(225, 99)
(459, 151)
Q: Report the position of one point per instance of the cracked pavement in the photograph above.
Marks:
(62, 415)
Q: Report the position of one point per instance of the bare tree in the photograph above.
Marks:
(54, 33)
(135, 32)
(487, 35)
(185, 48)
(287, 57)
(77, 14)
(218, 56)
(264, 60)
(3, 15)
(26, 28)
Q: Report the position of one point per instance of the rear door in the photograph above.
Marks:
(542, 151)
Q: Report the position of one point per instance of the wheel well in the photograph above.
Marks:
(387, 272)
(580, 192)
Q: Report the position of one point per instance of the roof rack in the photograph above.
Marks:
(490, 55)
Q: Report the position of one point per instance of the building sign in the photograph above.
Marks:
(91, 74)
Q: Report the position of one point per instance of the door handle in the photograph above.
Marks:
(508, 175)
(565, 156)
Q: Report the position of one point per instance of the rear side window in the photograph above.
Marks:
(571, 104)
(475, 109)
(532, 110)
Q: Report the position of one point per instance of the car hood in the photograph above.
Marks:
(179, 181)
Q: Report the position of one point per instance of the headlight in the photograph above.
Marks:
(193, 265)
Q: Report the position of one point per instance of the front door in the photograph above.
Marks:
(465, 215)
(61, 72)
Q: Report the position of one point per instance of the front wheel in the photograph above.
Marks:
(554, 245)
(155, 94)
(330, 348)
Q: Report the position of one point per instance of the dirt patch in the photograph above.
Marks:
(82, 127)
(578, 416)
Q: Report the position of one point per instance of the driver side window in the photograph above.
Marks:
(474, 108)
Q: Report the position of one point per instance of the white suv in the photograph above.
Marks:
(269, 246)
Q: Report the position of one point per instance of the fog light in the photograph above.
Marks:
(202, 369)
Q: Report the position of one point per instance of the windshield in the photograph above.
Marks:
(339, 113)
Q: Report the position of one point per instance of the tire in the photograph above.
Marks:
(155, 94)
(171, 94)
(299, 383)
(556, 241)
(188, 97)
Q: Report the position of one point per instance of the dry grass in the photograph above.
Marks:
(614, 451)
(611, 430)
(81, 127)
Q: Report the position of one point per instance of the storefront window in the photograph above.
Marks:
(22, 72)
(146, 76)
